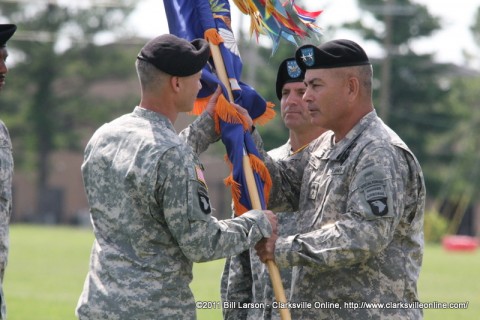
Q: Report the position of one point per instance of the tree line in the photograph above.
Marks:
(63, 84)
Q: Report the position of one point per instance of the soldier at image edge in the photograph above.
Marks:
(6, 169)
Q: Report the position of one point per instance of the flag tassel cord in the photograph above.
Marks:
(252, 187)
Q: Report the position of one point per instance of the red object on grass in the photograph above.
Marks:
(459, 243)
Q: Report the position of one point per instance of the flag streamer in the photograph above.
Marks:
(280, 19)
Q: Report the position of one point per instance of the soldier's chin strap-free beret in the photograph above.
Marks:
(176, 56)
(331, 54)
(6, 32)
(288, 71)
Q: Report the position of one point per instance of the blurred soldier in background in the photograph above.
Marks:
(245, 278)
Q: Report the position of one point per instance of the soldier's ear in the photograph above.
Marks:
(353, 87)
(175, 83)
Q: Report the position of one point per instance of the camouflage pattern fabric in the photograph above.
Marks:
(360, 225)
(6, 175)
(152, 219)
(245, 278)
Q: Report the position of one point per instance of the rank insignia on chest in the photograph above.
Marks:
(200, 176)
(313, 190)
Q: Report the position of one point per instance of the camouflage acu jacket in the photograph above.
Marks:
(6, 176)
(151, 218)
(360, 225)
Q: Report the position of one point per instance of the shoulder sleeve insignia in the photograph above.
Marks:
(204, 202)
(379, 207)
(375, 195)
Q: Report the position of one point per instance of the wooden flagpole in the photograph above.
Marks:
(252, 187)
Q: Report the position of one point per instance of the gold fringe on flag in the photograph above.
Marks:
(212, 36)
(259, 167)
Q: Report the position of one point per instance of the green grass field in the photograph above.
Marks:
(47, 267)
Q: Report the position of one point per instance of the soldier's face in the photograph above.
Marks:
(3, 66)
(293, 109)
(326, 94)
(190, 87)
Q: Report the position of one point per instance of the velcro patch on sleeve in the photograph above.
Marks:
(200, 176)
(204, 202)
(374, 194)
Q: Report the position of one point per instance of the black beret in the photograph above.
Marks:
(331, 54)
(6, 32)
(288, 71)
(176, 56)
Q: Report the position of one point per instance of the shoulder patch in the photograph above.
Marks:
(204, 202)
(379, 206)
(372, 185)
(200, 176)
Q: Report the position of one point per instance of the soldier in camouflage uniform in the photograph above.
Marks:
(361, 201)
(148, 198)
(6, 169)
(245, 278)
